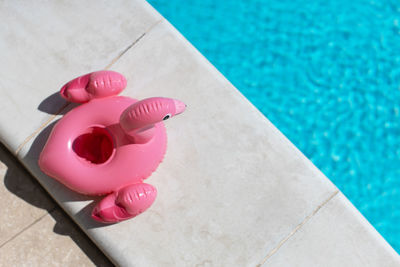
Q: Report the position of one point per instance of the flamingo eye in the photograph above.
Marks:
(167, 117)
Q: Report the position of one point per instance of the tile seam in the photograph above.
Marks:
(47, 122)
(113, 61)
(297, 228)
(132, 44)
(25, 228)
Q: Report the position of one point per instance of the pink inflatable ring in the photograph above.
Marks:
(109, 145)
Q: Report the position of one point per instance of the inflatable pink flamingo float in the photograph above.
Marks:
(109, 145)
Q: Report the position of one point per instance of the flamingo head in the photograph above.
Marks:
(145, 113)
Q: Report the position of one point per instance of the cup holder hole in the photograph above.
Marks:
(95, 145)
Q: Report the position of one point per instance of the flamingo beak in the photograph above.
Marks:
(179, 106)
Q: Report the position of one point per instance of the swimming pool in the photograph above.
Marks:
(326, 73)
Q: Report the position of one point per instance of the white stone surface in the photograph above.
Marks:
(231, 187)
(337, 235)
(43, 45)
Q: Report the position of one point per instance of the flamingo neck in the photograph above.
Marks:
(142, 135)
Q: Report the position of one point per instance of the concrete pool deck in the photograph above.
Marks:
(233, 191)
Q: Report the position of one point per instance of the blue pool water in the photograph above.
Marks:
(326, 73)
